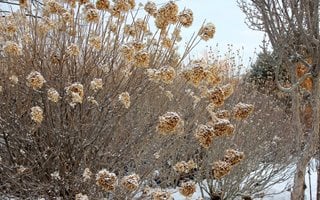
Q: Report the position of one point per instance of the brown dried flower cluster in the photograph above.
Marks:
(141, 59)
(130, 182)
(127, 52)
(204, 134)
(53, 95)
(161, 195)
(106, 180)
(124, 98)
(167, 14)
(222, 114)
(185, 167)
(220, 169)
(53, 7)
(165, 74)
(195, 75)
(186, 17)
(75, 92)
(12, 49)
(207, 31)
(233, 157)
(23, 3)
(216, 95)
(151, 8)
(242, 111)
(86, 174)
(103, 4)
(36, 114)
(35, 80)
(227, 90)
(92, 16)
(96, 84)
(14, 79)
(223, 127)
(187, 189)
(169, 123)
(95, 42)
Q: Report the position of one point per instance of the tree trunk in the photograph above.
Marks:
(299, 178)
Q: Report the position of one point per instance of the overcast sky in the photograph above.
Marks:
(229, 22)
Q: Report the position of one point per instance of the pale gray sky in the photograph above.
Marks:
(229, 22)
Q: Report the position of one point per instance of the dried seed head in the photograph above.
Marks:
(96, 84)
(106, 180)
(23, 3)
(167, 14)
(187, 189)
(53, 95)
(127, 52)
(95, 42)
(151, 8)
(220, 169)
(75, 93)
(216, 96)
(186, 17)
(196, 74)
(141, 59)
(169, 123)
(204, 134)
(92, 16)
(207, 31)
(12, 49)
(14, 79)
(161, 195)
(184, 167)
(223, 127)
(36, 114)
(35, 80)
(223, 114)
(130, 182)
(103, 4)
(53, 7)
(233, 157)
(242, 111)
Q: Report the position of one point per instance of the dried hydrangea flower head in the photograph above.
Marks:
(204, 134)
(227, 90)
(81, 196)
(141, 59)
(35, 80)
(207, 31)
(95, 42)
(130, 182)
(167, 14)
(36, 114)
(12, 49)
(127, 52)
(53, 95)
(186, 17)
(223, 127)
(220, 169)
(103, 4)
(165, 74)
(92, 16)
(184, 167)
(161, 195)
(170, 122)
(92, 100)
(223, 114)
(106, 180)
(73, 50)
(75, 92)
(196, 73)
(141, 25)
(96, 84)
(187, 189)
(86, 174)
(14, 79)
(216, 95)
(124, 98)
(53, 7)
(151, 8)
(242, 111)
(233, 157)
